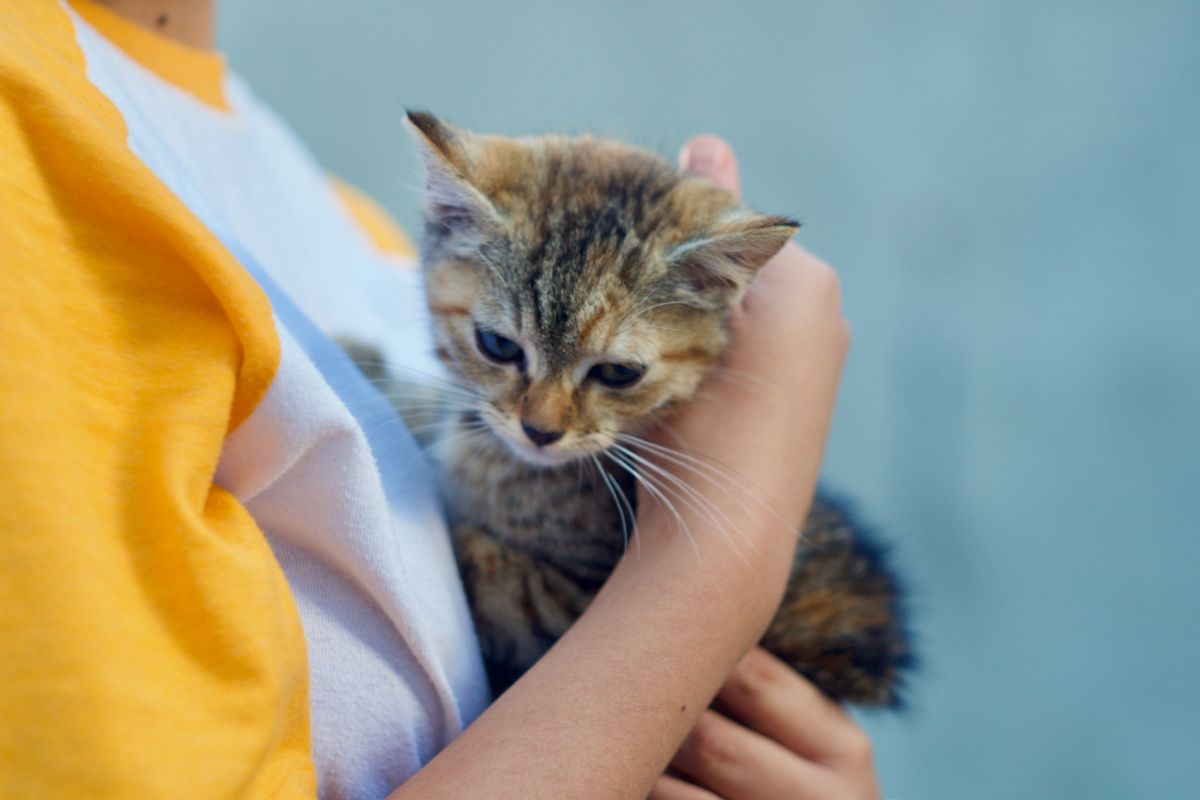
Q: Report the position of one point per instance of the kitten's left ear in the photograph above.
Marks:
(452, 200)
(720, 265)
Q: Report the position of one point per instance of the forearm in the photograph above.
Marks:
(601, 714)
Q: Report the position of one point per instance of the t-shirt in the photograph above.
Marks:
(223, 566)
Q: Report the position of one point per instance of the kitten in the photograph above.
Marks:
(578, 291)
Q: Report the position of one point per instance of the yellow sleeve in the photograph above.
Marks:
(377, 225)
(150, 644)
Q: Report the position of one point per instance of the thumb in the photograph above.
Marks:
(711, 157)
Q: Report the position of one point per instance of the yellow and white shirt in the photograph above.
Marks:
(223, 569)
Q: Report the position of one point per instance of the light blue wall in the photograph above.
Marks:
(1011, 191)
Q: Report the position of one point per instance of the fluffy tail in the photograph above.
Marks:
(842, 621)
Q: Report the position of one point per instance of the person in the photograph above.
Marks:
(224, 568)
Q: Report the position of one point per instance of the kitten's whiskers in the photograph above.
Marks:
(707, 469)
(685, 492)
(621, 501)
(657, 493)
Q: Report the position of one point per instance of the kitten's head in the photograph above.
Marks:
(580, 286)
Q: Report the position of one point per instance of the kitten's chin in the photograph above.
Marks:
(541, 457)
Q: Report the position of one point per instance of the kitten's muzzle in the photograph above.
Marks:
(539, 437)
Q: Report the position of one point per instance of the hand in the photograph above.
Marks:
(790, 741)
(617, 689)
(789, 343)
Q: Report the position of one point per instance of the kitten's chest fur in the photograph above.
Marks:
(575, 518)
(535, 544)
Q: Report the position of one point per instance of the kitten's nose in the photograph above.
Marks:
(540, 438)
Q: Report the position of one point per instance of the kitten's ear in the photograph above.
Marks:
(719, 265)
(452, 201)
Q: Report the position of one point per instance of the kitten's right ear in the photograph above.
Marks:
(719, 266)
(452, 201)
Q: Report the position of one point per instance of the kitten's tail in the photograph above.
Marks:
(842, 622)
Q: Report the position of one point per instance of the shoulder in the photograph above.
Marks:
(385, 235)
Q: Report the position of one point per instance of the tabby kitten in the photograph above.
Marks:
(579, 291)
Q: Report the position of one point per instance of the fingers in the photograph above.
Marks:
(736, 763)
(711, 157)
(669, 788)
(773, 699)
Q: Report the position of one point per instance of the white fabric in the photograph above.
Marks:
(329, 473)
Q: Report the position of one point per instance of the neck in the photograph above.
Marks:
(188, 22)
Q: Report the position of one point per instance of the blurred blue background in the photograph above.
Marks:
(1011, 193)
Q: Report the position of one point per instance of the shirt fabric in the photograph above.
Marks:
(225, 570)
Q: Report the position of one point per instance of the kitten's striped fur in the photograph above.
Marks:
(583, 252)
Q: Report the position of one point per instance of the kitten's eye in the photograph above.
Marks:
(617, 376)
(498, 348)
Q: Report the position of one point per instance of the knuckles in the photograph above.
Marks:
(757, 677)
(824, 280)
(855, 748)
(712, 745)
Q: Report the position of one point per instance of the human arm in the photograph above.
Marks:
(603, 712)
(772, 733)
(775, 735)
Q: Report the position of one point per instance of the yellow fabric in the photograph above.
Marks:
(200, 73)
(151, 647)
(387, 237)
